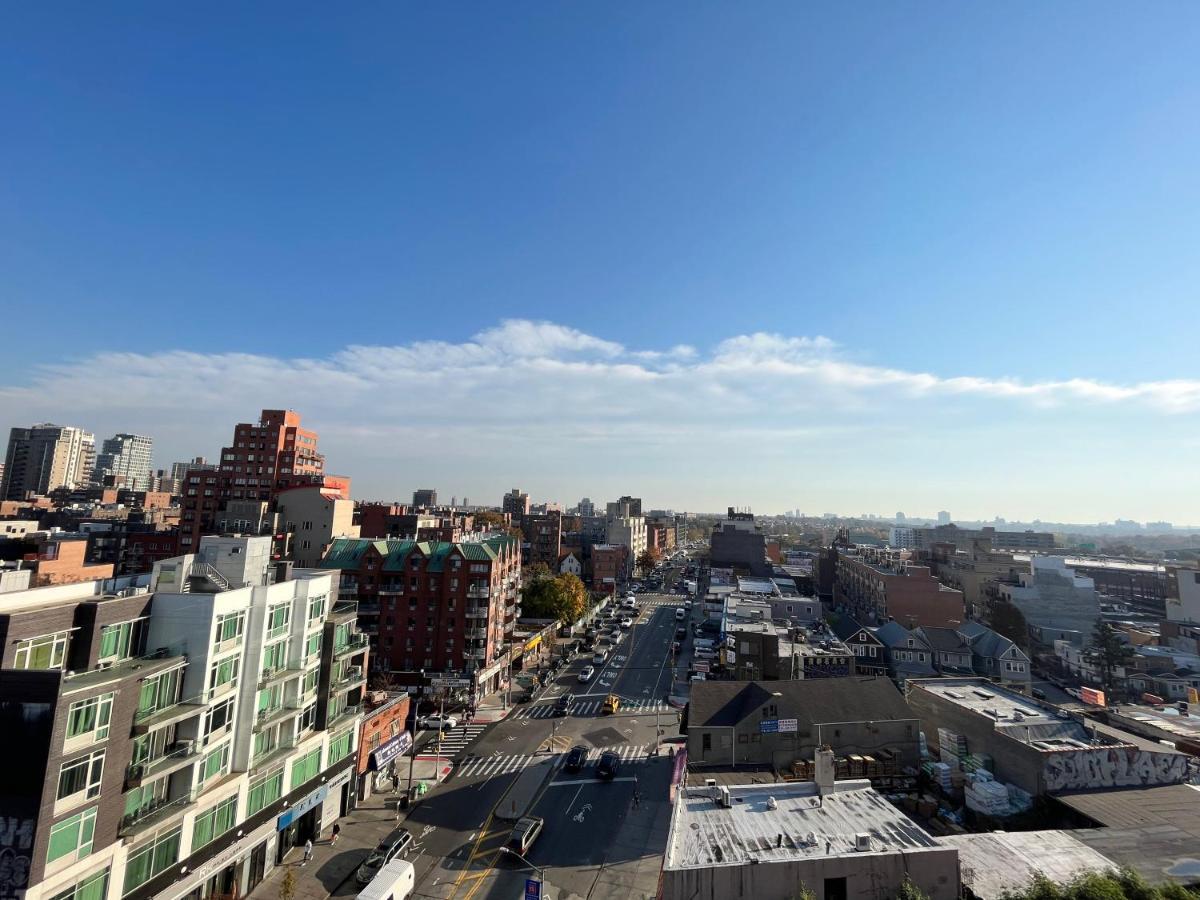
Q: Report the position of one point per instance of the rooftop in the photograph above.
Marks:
(855, 699)
(999, 862)
(785, 822)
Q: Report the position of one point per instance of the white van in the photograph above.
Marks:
(679, 615)
(395, 881)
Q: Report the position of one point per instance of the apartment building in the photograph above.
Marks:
(925, 538)
(630, 532)
(975, 571)
(313, 516)
(874, 585)
(543, 538)
(182, 731)
(42, 458)
(437, 606)
(515, 503)
(610, 562)
(738, 543)
(124, 461)
(264, 458)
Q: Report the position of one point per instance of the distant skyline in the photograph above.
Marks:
(789, 255)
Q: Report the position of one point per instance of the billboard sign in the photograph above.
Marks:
(788, 726)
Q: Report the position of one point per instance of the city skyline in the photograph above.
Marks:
(662, 422)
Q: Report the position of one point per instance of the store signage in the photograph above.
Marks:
(768, 726)
(449, 683)
(310, 802)
(788, 726)
(390, 749)
(533, 889)
(700, 665)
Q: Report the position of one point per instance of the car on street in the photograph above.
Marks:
(524, 833)
(617, 638)
(627, 622)
(439, 722)
(390, 848)
(611, 703)
(586, 673)
(576, 758)
(608, 766)
(680, 615)
(601, 657)
(562, 706)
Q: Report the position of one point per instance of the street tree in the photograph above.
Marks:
(1108, 653)
(563, 598)
(648, 558)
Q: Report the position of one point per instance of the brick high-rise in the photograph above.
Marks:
(264, 458)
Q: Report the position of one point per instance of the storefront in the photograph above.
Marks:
(230, 874)
(383, 760)
(307, 817)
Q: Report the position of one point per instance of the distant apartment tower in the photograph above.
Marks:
(943, 518)
(436, 606)
(625, 507)
(587, 507)
(177, 741)
(424, 497)
(516, 503)
(965, 538)
(738, 542)
(125, 458)
(45, 457)
(901, 538)
(265, 458)
(543, 534)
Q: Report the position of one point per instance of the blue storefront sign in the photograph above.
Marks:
(769, 726)
(312, 800)
(533, 889)
(389, 750)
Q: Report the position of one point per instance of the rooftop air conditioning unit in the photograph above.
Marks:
(862, 842)
(723, 798)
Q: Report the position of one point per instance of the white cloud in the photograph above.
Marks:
(539, 394)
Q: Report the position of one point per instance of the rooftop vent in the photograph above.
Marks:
(772, 804)
(862, 842)
(723, 797)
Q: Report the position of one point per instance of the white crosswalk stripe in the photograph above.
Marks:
(584, 708)
(506, 764)
(455, 741)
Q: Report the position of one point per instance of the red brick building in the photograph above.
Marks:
(265, 457)
(383, 740)
(433, 606)
(608, 565)
(875, 585)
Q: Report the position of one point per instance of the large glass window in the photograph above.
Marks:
(90, 716)
(215, 822)
(219, 715)
(306, 768)
(339, 746)
(223, 672)
(312, 646)
(278, 618)
(230, 626)
(341, 636)
(274, 657)
(311, 680)
(72, 837)
(94, 887)
(48, 651)
(270, 699)
(122, 640)
(152, 859)
(316, 609)
(80, 778)
(146, 797)
(158, 692)
(215, 764)
(264, 791)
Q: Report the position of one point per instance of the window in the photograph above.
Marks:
(219, 716)
(274, 657)
(311, 680)
(90, 717)
(223, 672)
(46, 652)
(121, 641)
(341, 636)
(215, 822)
(152, 859)
(230, 627)
(306, 768)
(312, 647)
(72, 837)
(215, 764)
(278, 618)
(80, 778)
(339, 746)
(308, 717)
(264, 791)
(270, 698)
(94, 887)
(146, 797)
(316, 609)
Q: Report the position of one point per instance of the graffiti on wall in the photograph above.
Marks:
(1067, 770)
(21, 779)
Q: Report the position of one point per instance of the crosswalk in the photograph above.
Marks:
(589, 707)
(506, 764)
(455, 741)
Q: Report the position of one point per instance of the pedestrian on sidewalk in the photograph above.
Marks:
(337, 833)
(308, 851)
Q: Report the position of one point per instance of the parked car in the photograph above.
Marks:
(440, 722)
(608, 766)
(576, 758)
(627, 622)
(586, 673)
(524, 833)
(601, 657)
(389, 848)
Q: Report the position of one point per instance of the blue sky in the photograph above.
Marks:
(950, 191)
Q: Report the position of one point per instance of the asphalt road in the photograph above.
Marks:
(459, 836)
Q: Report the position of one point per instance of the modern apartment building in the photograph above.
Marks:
(424, 497)
(125, 459)
(264, 458)
(738, 543)
(45, 457)
(433, 606)
(181, 732)
(630, 532)
(925, 538)
(875, 585)
(515, 503)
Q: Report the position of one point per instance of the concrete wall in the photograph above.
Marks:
(745, 745)
(1072, 770)
(869, 876)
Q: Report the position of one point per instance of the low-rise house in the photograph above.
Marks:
(908, 654)
(868, 650)
(995, 657)
(951, 652)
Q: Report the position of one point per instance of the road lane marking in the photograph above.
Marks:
(573, 799)
(555, 784)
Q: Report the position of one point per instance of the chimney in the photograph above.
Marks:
(826, 773)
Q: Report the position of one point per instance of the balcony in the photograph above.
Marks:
(354, 676)
(478, 593)
(391, 587)
(271, 676)
(272, 716)
(356, 644)
(368, 609)
(475, 611)
(345, 714)
(480, 654)
(476, 634)
(156, 814)
(181, 754)
(166, 715)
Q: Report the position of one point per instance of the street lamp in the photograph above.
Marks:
(541, 873)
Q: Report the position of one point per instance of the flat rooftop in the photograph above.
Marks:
(987, 699)
(999, 862)
(803, 825)
(1167, 719)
